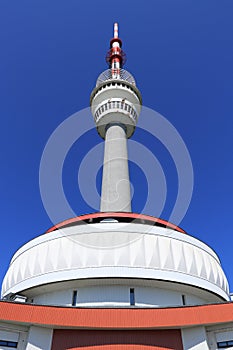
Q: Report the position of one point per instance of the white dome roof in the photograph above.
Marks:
(112, 250)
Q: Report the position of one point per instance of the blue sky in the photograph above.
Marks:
(181, 54)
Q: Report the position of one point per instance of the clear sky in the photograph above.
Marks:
(181, 54)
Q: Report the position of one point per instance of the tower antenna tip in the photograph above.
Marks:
(115, 30)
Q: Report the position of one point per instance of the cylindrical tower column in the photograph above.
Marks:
(115, 195)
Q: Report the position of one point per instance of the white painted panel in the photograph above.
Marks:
(194, 338)
(117, 294)
(10, 336)
(193, 300)
(63, 297)
(39, 338)
(145, 296)
(224, 336)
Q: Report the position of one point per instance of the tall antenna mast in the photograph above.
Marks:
(115, 56)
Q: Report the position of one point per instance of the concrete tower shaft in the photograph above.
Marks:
(115, 194)
(115, 105)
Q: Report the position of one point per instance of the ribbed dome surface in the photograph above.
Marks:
(115, 249)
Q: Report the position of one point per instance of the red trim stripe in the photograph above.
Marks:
(150, 219)
(173, 317)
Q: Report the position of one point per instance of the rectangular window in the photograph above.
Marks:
(74, 298)
(183, 300)
(8, 344)
(225, 344)
(132, 296)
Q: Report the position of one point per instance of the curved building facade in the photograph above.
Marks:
(107, 259)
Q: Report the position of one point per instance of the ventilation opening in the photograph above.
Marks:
(132, 296)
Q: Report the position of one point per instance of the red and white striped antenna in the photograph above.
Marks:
(115, 30)
(115, 56)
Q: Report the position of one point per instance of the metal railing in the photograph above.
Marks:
(116, 105)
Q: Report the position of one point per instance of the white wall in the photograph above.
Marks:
(224, 335)
(219, 333)
(193, 300)
(39, 338)
(8, 336)
(117, 295)
(145, 296)
(63, 297)
(104, 295)
(16, 333)
(194, 338)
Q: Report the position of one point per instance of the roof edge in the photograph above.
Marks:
(120, 216)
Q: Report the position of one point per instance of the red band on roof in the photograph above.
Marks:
(118, 215)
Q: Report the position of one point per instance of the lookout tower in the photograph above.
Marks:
(115, 279)
(116, 258)
(115, 104)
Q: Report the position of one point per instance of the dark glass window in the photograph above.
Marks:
(183, 300)
(74, 298)
(132, 296)
(8, 344)
(12, 344)
(225, 344)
